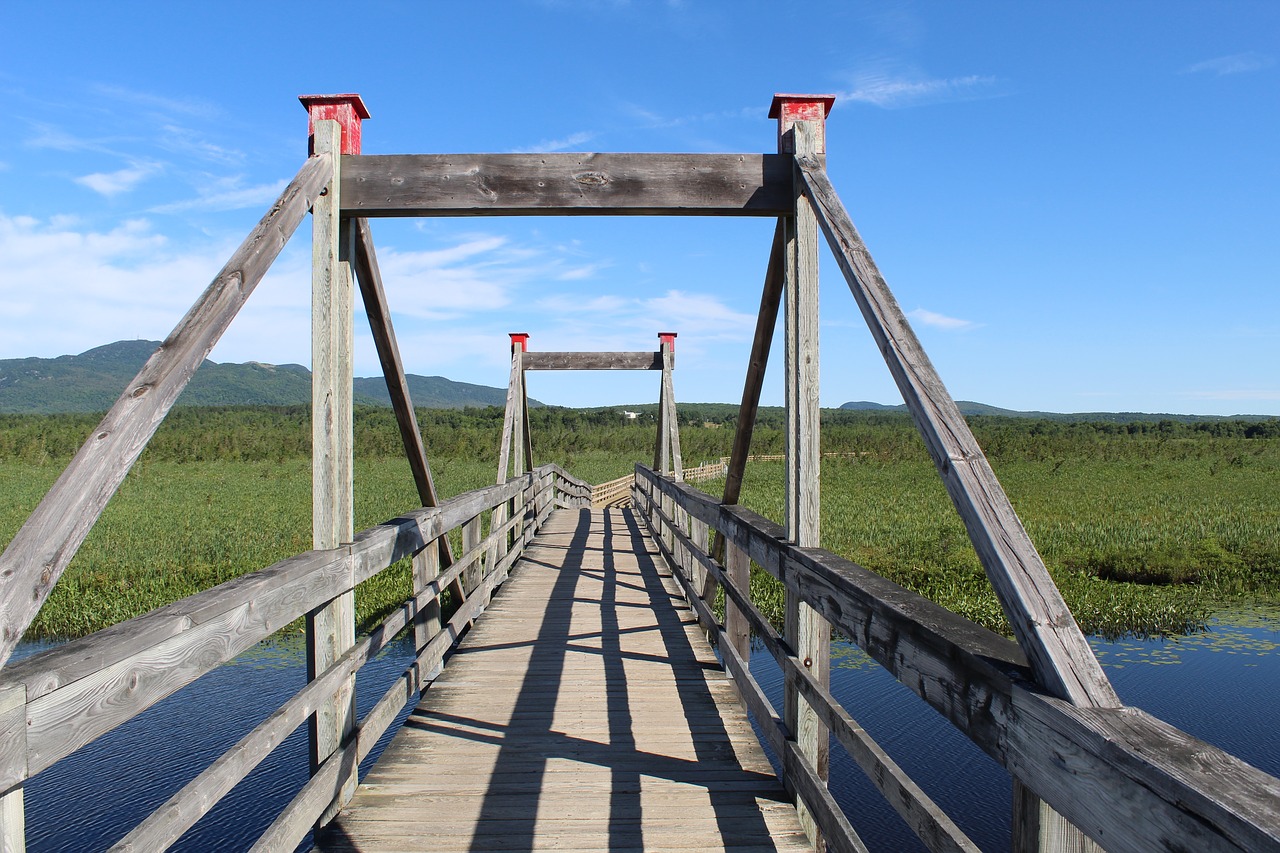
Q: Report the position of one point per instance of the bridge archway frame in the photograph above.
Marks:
(1207, 796)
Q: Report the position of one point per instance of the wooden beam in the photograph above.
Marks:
(41, 550)
(592, 184)
(384, 339)
(766, 322)
(331, 629)
(593, 361)
(1059, 654)
(807, 631)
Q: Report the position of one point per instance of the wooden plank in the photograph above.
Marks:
(807, 632)
(13, 767)
(514, 184)
(593, 361)
(580, 684)
(1151, 784)
(331, 628)
(737, 570)
(1047, 632)
(42, 548)
(384, 339)
(766, 321)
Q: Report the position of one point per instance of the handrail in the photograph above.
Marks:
(78, 691)
(1130, 781)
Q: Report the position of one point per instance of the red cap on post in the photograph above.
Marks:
(789, 109)
(347, 110)
(668, 338)
(519, 339)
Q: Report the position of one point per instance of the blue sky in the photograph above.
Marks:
(1077, 204)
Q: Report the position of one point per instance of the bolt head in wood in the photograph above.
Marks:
(347, 110)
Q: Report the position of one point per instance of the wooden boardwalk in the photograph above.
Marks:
(584, 711)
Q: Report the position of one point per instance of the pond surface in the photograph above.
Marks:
(1219, 685)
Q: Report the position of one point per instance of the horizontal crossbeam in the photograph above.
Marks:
(566, 184)
(592, 361)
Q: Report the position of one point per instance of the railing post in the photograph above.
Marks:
(13, 723)
(426, 568)
(801, 130)
(473, 574)
(737, 569)
(334, 125)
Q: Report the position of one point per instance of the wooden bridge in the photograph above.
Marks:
(578, 706)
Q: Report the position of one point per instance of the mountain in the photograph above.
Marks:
(92, 380)
(968, 407)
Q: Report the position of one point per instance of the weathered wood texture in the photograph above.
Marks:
(514, 184)
(593, 361)
(1129, 781)
(584, 711)
(1059, 654)
(766, 321)
(807, 632)
(331, 628)
(42, 548)
(83, 689)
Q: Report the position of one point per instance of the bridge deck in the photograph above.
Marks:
(584, 711)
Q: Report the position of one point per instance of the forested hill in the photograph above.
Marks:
(92, 380)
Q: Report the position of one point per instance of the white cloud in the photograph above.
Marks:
(1236, 63)
(227, 194)
(940, 321)
(888, 90)
(197, 107)
(77, 288)
(573, 140)
(123, 180)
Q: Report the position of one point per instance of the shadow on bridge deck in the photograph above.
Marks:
(584, 711)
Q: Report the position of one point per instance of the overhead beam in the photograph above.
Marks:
(593, 361)
(567, 184)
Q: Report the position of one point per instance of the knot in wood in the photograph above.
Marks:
(591, 179)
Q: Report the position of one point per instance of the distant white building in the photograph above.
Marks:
(630, 416)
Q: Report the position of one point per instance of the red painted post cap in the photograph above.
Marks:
(668, 338)
(347, 110)
(519, 339)
(789, 109)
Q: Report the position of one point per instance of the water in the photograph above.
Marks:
(90, 799)
(1218, 685)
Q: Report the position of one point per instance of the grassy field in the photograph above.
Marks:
(1146, 531)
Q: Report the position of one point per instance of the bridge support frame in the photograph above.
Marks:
(801, 131)
(334, 123)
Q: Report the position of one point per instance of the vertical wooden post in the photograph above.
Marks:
(667, 346)
(13, 722)
(334, 125)
(737, 568)
(426, 568)
(474, 573)
(801, 130)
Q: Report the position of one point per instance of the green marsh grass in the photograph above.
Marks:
(1147, 528)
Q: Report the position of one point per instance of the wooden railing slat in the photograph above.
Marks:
(1154, 786)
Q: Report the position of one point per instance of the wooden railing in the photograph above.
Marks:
(617, 493)
(55, 702)
(1130, 781)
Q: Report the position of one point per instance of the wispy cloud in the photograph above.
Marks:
(197, 107)
(120, 181)
(573, 140)
(940, 321)
(1236, 63)
(226, 194)
(895, 91)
